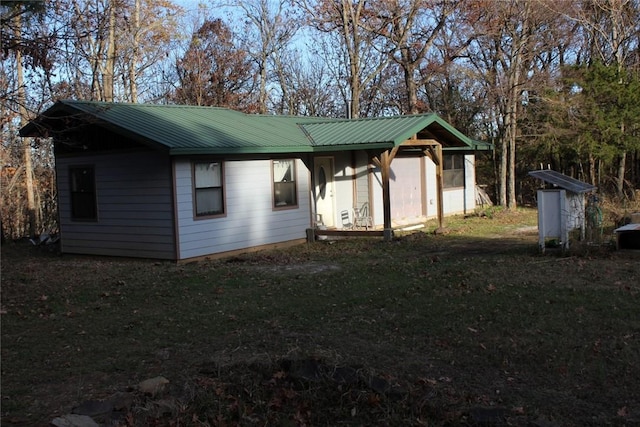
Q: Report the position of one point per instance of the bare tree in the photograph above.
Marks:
(360, 59)
(410, 28)
(501, 53)
(272, 26)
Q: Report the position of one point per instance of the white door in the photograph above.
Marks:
(405, 188)
(323, 173)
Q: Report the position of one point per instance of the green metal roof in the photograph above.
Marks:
(182, 129)
(391, 131)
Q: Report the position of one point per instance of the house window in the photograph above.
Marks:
(83, 193)
(209, 198)
(284, 183)
(453, 170)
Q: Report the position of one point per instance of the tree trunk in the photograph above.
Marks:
(262, 97)
(133, 86)
(502, 170)
(511, 150)
(621, 173)
(110, 64)
(410, 82)
(26, 143)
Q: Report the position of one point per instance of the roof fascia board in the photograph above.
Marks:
(472, 148)
(238, 150)
(353, 147)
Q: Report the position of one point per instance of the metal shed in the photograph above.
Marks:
(561, 207)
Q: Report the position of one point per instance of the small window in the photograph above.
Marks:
(83, 193)
(209, 200)
(453, 170)
(284, 183)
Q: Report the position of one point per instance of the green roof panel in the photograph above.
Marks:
(191, 129)
(385, 131)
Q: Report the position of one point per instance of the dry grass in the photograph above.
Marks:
(424, 330)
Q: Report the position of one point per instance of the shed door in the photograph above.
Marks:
(406, 188)
(323, 174)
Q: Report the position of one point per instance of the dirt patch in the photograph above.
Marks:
(306, 268)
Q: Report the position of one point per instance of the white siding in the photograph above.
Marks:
(362, 178)
(344, 185)
(134, 200)
(377, 210)
(249, 219)
(406, 194)
(453, 201)
(432, 188)
(462, 200)
(469, 183)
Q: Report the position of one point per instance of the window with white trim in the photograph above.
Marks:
(285, 193)
(208, 189)
(453, 171)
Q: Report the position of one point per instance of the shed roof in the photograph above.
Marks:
(182, 129)
(563, 181)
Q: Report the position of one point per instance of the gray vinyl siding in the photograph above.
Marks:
(249, 220)
(134, 204)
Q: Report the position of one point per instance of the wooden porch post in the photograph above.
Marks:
(436, 156)
(384, 163)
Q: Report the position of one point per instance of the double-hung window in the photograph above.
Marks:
(284, 183)
(208, 189)
(83, 193)
(453, 170)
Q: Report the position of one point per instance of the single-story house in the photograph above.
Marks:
(182, 182)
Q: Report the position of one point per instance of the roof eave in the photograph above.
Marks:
(36, 127)
(238, 150)
(352, 147)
